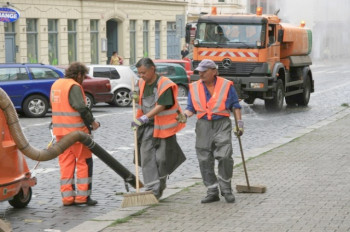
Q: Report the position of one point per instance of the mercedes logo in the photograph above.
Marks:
(226, 63)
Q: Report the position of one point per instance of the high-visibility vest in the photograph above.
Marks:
(65, 118)
(165, 123)
(216, 104)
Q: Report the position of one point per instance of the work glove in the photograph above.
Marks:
(240, 130)
(139, 121)
(182, 118)
(135, 96)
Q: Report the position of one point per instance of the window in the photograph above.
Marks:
(157, 39)
(72, 40)
(53, 41)
(94, 41)
(221, 0)
(145, 38)
(132, 41)
(32, 41)
(43, 73)
(111, 73)
(13, 74)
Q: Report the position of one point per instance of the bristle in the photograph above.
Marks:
(139, 199)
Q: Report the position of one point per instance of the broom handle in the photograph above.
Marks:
(135, 140)
(240, 147)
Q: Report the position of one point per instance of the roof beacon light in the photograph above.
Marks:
(302, 23)
(259, 10)
(213, 10)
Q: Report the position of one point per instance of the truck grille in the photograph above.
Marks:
(235, 69)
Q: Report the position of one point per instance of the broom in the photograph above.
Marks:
(246, 188)
(143, 198)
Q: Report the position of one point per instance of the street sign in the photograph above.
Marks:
(8, 15)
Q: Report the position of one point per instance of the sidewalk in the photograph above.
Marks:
(307, 176)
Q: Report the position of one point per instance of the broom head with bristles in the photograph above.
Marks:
(139, 199)
(250, 189)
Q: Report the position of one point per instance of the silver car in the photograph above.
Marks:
(121, 77)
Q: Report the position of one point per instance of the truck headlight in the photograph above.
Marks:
(256, 85)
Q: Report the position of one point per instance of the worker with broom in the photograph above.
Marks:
(70, 113)
(156, 126)
(212, 98)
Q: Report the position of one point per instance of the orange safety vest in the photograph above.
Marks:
(216, 104)
(165, 123)
(65, 118)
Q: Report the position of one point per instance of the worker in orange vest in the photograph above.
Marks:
(213, 98)
(70, 113)
(157, 126)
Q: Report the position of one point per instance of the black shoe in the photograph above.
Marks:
(210, 199)
(229, 197)
(89, 202)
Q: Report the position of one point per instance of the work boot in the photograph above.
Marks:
(229, 197)
(210, 198)
(89, 202)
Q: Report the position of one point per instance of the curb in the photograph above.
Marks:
(103, 221)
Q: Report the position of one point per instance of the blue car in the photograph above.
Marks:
(28, 86)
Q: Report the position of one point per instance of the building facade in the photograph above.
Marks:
(60, 32)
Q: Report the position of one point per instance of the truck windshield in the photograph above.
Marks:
(230, 35)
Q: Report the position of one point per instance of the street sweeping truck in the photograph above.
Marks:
(264, 58)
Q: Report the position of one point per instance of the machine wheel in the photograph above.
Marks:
(276, 103)
(20, 200)
(122, 97)
(303, 98)
(35, 106)
(182, 91)
(89, 100)
(290, 101)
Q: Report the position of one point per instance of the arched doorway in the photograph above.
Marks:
(112, 38)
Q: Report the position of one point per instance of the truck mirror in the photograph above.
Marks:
(280, 35)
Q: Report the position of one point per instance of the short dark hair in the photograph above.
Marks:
(147, 62)
(74, 69)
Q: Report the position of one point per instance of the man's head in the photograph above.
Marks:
(207, 70)
(77, 72)
(146, 70)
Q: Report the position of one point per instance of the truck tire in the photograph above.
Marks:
(303, 98)
(276, 103)
(290, 100)
(35, 106)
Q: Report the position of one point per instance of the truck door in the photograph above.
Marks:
(273, 46)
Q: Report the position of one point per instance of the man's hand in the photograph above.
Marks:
(239, 131)
(95, 125)
(139, 122)
(182, 118)
(134, 96)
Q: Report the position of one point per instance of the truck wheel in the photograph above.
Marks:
(303, 98)
(89, 100)
(276, 103)
(35, 106)
(20, 200)
(249, 100)
(122, 98)
(290, 101)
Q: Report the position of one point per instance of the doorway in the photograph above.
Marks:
(112, 38)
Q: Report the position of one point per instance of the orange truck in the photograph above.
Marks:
(264, 58)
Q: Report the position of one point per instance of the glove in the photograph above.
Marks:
(240, 130)
(182, 118)
(135, 96)
(139, 122)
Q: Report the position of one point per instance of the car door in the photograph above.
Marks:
(42, 80)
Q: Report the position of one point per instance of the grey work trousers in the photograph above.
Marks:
(214, 141)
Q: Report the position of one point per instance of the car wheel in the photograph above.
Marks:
(89, 100)
(20, 200)
(35, 106)
(122, 97)
(182, 92)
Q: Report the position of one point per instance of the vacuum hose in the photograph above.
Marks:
(58, 148)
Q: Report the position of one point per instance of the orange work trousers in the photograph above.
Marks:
(77, 157)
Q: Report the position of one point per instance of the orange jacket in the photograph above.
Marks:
(65, 119)
(216, 104)
(165, 123)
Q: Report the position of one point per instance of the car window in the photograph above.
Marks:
(101, 72)
(43, 73)
(180, 72)
(13, 74)
(114, 74)
(161, 70)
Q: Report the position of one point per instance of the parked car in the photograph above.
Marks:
(96, 89)
(28, 86)
(174, 72)
(185, 63)
(120, 76)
